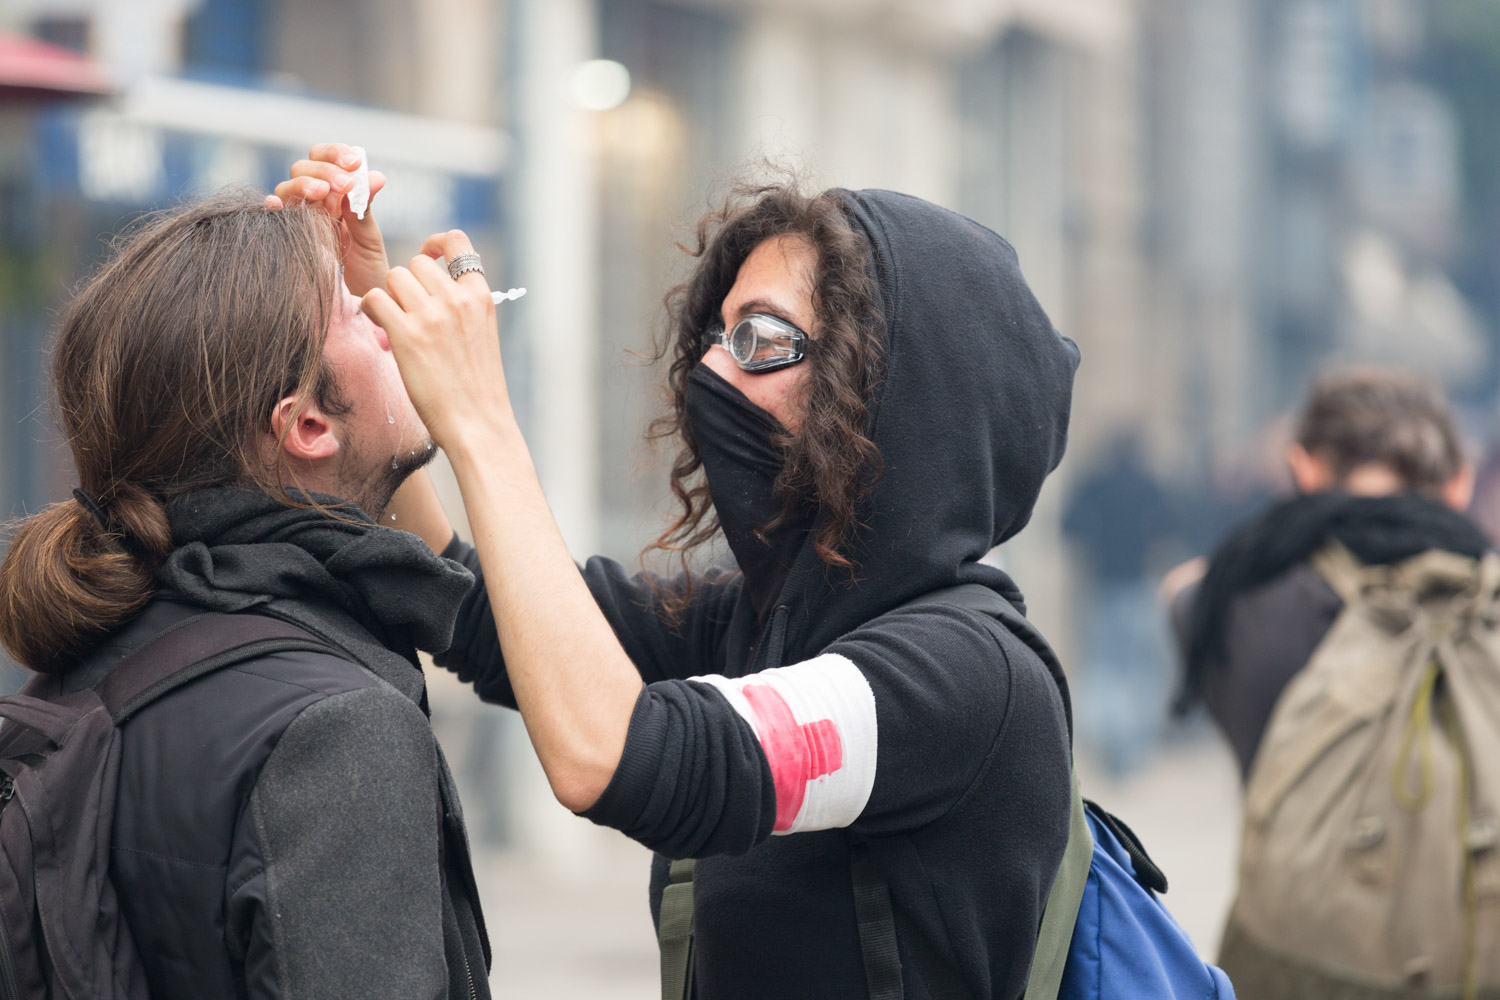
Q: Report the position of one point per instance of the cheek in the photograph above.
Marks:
(775, 392)
(778, 397)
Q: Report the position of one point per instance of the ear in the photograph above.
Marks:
(308, 436)
(1309, 472)
(1458, 492)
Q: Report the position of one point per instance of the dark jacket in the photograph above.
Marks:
(287, 827)
(931, 735)
(1261, 610)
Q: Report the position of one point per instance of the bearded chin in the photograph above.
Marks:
(372, 490)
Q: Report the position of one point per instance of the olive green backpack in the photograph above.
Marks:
(1368, 865)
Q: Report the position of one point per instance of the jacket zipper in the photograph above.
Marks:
(8, 983)
(452, 831)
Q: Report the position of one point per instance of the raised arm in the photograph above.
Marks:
(573, 681)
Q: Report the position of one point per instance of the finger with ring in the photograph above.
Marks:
(464, 263)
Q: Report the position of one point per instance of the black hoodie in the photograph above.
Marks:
(929, 734)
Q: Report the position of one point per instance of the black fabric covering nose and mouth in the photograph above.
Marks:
(736, 442)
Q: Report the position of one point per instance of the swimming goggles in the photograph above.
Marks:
(759, 342)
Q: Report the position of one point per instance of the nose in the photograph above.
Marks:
(722, 364)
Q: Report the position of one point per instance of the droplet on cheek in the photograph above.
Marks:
(390, 419)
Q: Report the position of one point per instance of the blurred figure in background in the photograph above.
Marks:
(1378, 465)
(1115, 517)
(1346, 642)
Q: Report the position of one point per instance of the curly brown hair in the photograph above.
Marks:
(829, 462)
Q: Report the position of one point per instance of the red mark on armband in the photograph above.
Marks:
(797, 753)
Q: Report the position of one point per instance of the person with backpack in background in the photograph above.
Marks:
(1345, 642)
(849, 751)
(222, 781)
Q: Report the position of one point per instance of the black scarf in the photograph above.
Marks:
(735, 441)
(1379, 531)
(377, 593)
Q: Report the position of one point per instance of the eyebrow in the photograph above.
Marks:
(758, 305)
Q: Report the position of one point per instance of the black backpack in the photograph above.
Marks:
(61, 932)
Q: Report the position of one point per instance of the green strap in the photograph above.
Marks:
(1056, 935)
(674, 932)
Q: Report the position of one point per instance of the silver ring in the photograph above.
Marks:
(464, 263)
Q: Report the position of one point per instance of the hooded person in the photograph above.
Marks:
(868, 399)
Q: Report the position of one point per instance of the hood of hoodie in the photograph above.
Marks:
(970, 418)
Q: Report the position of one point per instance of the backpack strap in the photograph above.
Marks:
(1061, 913)
(194, 647)
(877, 928)
(1340, 569)
(674, 932)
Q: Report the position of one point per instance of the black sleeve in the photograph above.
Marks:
(884, 731)
(631, 603)
(1271, 633)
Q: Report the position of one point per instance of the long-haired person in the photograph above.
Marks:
(285, 826)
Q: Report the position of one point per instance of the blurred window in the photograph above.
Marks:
(68, 32)
(225, 38)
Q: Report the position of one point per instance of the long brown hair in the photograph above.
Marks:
(829, 461)
(165, 371)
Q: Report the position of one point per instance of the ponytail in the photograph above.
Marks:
(68, 580)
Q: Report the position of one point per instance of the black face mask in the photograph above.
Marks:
(735, 441)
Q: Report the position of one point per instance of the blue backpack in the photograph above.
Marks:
(1105, 934)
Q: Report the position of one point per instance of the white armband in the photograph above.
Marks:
(816, 724)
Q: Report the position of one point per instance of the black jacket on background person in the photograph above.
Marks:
(790, 701)
(1261, 610)
(286, 827)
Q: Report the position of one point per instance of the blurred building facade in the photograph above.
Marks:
(1304, 200)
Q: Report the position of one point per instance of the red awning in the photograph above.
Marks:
(32, 69)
